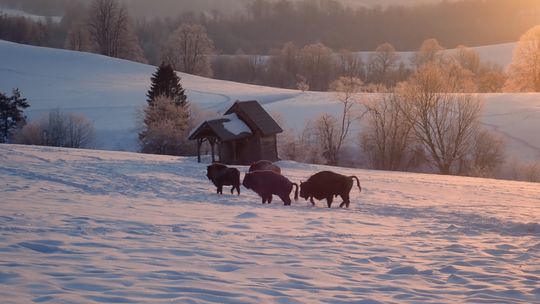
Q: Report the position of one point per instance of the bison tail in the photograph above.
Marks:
(295, 191)
(357, 182)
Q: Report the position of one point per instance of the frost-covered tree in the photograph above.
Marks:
(429, 52)
(165, 82)
(58, 129)
(189, 49)
(11, 114)
(524, 71)
(467, 58)
(165, 127)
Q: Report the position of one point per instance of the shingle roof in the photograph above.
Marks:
(254, 115)
(219, 128)
(250, 113)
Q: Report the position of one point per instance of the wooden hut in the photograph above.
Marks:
(244, 134)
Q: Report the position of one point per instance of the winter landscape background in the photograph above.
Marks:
(113, 227)
(109, 225)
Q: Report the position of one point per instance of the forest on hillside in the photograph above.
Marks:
(299, 44)
(257, 26)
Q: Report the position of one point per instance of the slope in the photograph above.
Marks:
(81, 226)
(110, 92)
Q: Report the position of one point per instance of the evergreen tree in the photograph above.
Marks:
(166, 83)
(167, 116)
(11, 114)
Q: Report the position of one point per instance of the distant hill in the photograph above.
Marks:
(110, 91)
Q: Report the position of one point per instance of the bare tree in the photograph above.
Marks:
(387, 139)
(316, 65)
(59, 129)
(524, 71)
(487, 155)
(333, 131)
(282, 67)
(350, 65)
(445, 124)
(78, 38)
(383, 64)
(327, 133)
(188, 50)
(111, 31)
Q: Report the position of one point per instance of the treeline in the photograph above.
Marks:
(41, 7)
(263, 25)
(307, 43)
(315, 67)
(268, 24)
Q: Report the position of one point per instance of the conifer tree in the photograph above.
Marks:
(167, 116)
(166, 83)
(11, 114)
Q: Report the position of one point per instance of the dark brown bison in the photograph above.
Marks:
(222, 175)
(327, 184)
(264, 165)
(265, 183)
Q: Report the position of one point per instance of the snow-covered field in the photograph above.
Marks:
(86, 226)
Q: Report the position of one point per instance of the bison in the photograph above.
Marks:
(264, 165)
(327, 184)
(265, 183)
(222, 175)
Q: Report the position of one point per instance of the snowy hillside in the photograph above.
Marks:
(81, 226)
(19, 13)
(109, 91)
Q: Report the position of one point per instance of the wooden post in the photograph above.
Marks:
(199, 144)
(235, 161)
(219, 150)
(212, 143)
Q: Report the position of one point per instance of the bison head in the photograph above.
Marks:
(214, 170)
(210, 172)
(305, 190)
(248, 181)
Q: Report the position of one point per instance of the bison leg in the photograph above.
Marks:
(311, 200)
(329, 201)
(237, 189)
(266, 198)
(286, 200)
(346, 201)
(220, 189)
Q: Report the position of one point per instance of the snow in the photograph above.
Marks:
(500, 54)
(235, 125)
(110, 91)
(19, 13)
(79, 226)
